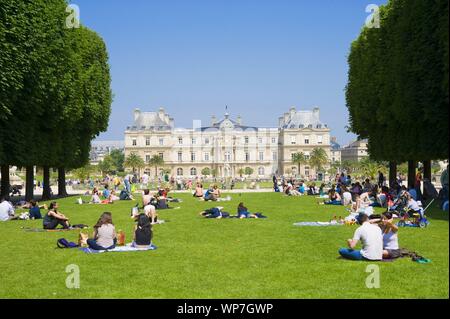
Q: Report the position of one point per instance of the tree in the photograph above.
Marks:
(248, 171)
(117, 157)
(318, 159)
(299, 159)
(398, 84)
(83, 173)
(241, 172)
(106, 166)
(206, 171)
(134, 161)
(156, 161)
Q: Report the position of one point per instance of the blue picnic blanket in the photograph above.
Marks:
(127, 248)
(317, 224)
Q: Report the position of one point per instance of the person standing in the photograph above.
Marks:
(380, 179)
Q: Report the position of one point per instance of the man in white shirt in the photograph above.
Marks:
(6, 210)
(371, 238)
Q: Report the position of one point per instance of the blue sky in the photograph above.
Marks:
(259, 57)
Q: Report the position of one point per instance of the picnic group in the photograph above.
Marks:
(377, 233)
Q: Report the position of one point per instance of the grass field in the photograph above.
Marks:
(209, 258)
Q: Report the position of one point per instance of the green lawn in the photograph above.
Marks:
(204, 258)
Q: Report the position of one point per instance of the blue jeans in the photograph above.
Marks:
(92, 243)
(333, 202)
(351, 254)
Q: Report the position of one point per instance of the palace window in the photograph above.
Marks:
(193, 171)
(161, 155)
(261, 171)
(206, 157)
(147, 140)
(293, 140)
(319, 139)
(274, 156)
(274, 140)
(260, 140)
(207, 140)
(180, 140)
(227, 156)
(247, 156)
(192, 157)
(194, 141)
(147, 158)
(261, 156)
(306, 140)
(180, 156)
(180, 171)
(161, 141)
(134, 142)
(246, 139)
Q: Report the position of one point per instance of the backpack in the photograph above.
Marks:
(64, 243)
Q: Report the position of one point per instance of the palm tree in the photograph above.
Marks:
(134, 161)
(299, 159)
(156, 161)
(318, 159)
(241, 172)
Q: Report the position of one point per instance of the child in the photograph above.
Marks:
(104, 234)
(142, 232)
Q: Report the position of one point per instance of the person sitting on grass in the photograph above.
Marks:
(334, 198)
(211, 194)
(391, 248)
(322, 190)
(35, 210)
(95, 199)
(198, 190)
(150, 212)
(346, 195)
(413, 206)
(53, 218)
(146, 197)
(125, 195)
(6, 210)
(105, 237)
(106, 193)
(371, 239)
(142, 232)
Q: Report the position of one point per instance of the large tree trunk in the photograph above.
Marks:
(426, 175)
(29, 183)
(46, 192)
(5, 181)
(411, 173)
(392, 173)
(427, 170)
(62, 192)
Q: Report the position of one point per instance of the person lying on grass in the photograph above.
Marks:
(104, 237)
(371, 239)
(142, 232)
(242, 212)
(215, 212)
(53, 218)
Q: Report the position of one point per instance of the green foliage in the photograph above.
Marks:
(206, 171)
(248, 171)
(83, 172)
(397, 91)
(134, 161)
(299, 159)
(318, 159)
(118, 158)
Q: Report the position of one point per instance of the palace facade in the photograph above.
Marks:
(227, 147)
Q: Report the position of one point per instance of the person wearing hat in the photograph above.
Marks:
(371, 238)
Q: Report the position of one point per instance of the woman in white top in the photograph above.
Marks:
(390, 237)
(104, 234)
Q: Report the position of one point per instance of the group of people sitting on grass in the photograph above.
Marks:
(7, 210)
(294, 188)
(108, 196)
(211, 194)
(378, 236)
(242, 212)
